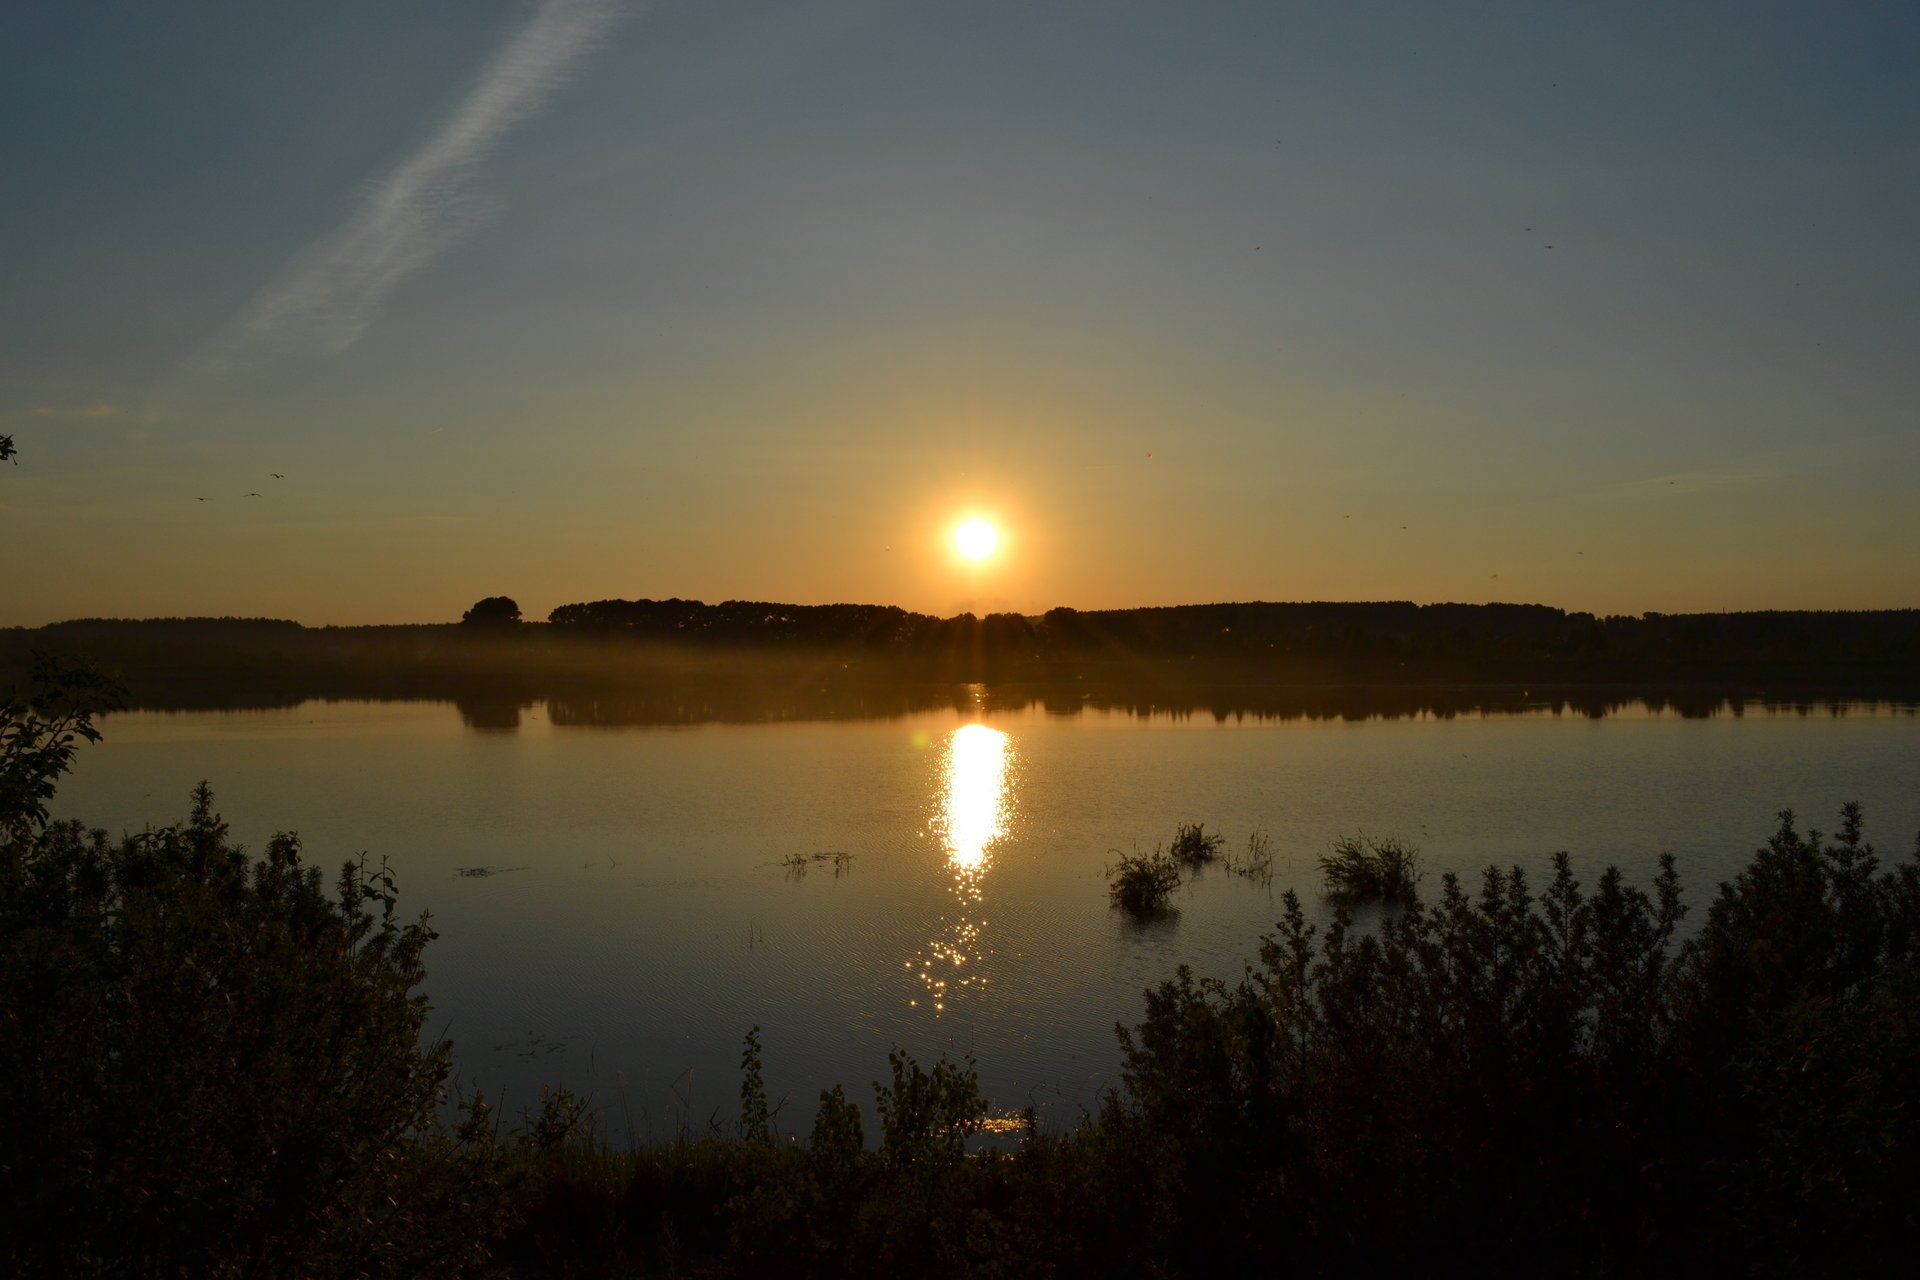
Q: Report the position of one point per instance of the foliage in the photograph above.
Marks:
(1141, 883)
(212, 1066)
(494, 611)
(1193, 848)
(40, 730)
(7, 450)
(756, 1118)
(1371, 869)
(1543, 1083)
(927, 1116)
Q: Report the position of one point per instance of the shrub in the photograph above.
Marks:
(1141, 884)
(212, 1066)
(40, 730)
(1543, 1083)
(1193, 848)
(1371, 869)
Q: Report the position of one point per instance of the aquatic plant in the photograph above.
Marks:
(798, 864)
(1256, 864)
(1193, 848)
(1371, 869)
(1141, 884)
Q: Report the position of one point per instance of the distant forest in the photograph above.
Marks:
(667, 660)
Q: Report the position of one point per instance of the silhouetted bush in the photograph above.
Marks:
(1371, 869)
(1193, 848)
(1544, 1083)
(1141, 883)
(212, 1066)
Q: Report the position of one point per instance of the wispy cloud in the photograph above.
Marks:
(74, 411)
(327, 295)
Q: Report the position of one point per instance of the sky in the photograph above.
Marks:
(1609, 307)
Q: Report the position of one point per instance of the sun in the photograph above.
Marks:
(976, 539)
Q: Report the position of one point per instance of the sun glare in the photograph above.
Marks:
(976, 539)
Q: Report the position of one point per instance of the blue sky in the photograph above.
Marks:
(570, 300)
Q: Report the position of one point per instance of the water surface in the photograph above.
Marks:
(932, 881)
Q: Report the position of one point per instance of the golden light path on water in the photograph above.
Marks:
(975, 813)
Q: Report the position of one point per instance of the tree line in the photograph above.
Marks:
(609, 646)
(1390, 629)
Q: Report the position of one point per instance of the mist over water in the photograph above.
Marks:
(617, 905)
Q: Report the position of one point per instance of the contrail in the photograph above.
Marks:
(328, 292)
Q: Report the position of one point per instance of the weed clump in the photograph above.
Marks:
(1256, 864)
(1371, 869)
(1193, 848)
(1141, 883)
(797, 864)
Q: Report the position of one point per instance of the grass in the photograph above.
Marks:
(1256, 864)
(1364, 868)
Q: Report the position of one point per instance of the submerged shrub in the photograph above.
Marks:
(1257, 863)
(1141, 884)
(1371, 869)
(1193, 848)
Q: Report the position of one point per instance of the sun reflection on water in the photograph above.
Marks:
(975, 813)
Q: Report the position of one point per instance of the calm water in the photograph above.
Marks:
(643, 917)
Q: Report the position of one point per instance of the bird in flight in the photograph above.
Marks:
(199, 499)
(253, 495)
(276, 475)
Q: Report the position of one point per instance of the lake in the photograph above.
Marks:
(933, 881)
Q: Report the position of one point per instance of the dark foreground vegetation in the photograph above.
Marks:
(663, 661)
(213, 1066)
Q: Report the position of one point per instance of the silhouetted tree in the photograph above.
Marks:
(40, 730)
(6, 450)
(494, 611)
